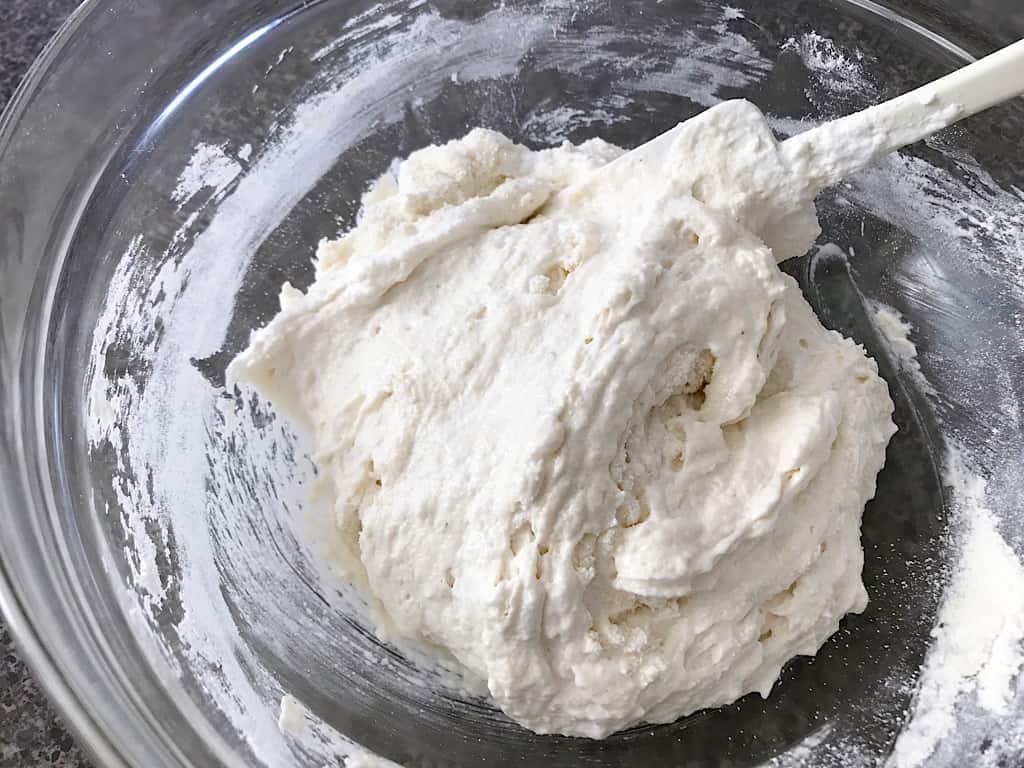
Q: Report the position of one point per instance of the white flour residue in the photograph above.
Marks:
(366, 25)
(961, 217)
(977, 641)
(360, 758)
(280, 58)
(111, 396)
(976, 653)
(803, 754)
(154, 410)
(896, 333)
(209, 166)
(700, 61)
(314, 735)
(293, 716)
(716, 58)
(838, 71)
(554, 126)
(702, 77)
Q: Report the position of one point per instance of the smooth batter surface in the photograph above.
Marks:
(582, 438)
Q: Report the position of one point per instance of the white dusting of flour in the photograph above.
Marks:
(309, 731)
(839, 71)
(977, 643)
(209, 167)
(977, 646)
(716, 58)
(896, 333)
(233, 521)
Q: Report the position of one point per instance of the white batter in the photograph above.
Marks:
(582, 437)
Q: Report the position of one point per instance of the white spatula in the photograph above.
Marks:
(884, 127)
(727, 157)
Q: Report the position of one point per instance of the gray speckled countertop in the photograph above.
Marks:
(31, 733)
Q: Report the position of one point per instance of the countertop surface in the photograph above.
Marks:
(31, 733)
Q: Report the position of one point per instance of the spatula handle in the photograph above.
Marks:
(835, 149)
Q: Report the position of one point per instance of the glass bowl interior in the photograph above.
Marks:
(180, 535)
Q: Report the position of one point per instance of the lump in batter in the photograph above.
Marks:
(582, 438)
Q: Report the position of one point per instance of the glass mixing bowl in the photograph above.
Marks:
(167, 165)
